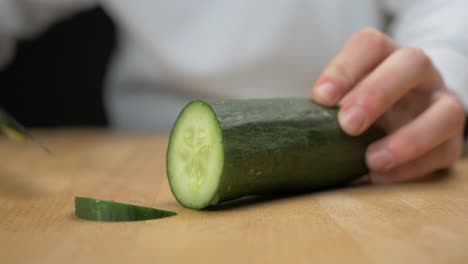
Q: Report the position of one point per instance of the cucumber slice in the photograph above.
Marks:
(102, 210)
(195, 157)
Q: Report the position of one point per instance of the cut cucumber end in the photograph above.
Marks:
(195, 156)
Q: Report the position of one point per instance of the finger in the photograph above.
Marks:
(438, 123)
(406, 68)
(440, 158)
(362, 52)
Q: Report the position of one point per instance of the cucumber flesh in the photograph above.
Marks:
(110, 211)
(196, 156)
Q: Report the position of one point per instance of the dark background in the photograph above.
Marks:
(57, 78)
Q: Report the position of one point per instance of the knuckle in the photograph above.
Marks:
(418, 57)
(373, 39)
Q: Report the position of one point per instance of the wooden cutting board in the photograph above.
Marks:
(424, 222)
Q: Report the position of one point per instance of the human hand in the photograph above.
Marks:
(374, 80)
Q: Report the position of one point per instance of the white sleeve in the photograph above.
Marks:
(20, 19)
(440, 28)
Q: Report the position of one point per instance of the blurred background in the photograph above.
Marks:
(166, 53)
(81, 68)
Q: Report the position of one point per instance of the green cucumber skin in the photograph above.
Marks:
(285, 145)
(110, 211)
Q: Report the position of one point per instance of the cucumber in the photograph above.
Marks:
(110, 211)
(224, 149)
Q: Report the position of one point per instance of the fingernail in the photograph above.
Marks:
(353, 120)
(380, 160)
(327, 93)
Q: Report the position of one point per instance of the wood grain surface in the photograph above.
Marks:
(423, 222)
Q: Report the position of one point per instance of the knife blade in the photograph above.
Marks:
(17, 132)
